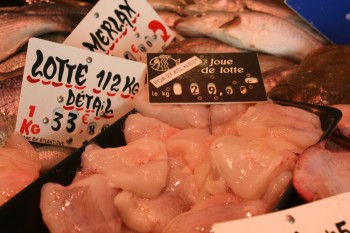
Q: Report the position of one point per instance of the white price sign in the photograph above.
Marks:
(330, 215)
(69, 95)
(122, 28)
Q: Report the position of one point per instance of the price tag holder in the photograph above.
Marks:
(69, 95)
(122, 28)
(209, 78)
(330, 215)
(329, 17)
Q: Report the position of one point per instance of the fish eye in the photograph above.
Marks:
(198, 15)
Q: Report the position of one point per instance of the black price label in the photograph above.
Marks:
(210, 78)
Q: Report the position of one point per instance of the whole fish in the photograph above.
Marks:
(200, 45)
(276, 8)
(321, 78)
(169, 17)
(209, 45)
(251, 31)
(269, 7)
(20, 24)
(14, 65)
(72, 3)
(215, 5)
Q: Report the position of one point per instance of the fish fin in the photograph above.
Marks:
(231, 23)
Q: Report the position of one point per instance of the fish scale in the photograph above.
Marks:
(10, 90)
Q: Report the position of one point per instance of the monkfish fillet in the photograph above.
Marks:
(140, 167)
(84, 206)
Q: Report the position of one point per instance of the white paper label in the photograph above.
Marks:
(174, 72)
(330, 215)
(122, 28)
(70, 95)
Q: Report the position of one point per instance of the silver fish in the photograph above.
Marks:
(169, 17)
(200, 45)
(251, 31)
(14, 65)
(22, 23)
(266, 6)
(10, 90)
(169, 5)
(215, 5)
(276, 8)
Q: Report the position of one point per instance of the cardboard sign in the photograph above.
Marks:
(330, 215)
(329, 17)
(69, 95)
(210, 78)
(122, 28)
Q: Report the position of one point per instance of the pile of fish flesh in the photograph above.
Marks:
(312, 71)
(20, 166)
(296, 62)
(174, 176)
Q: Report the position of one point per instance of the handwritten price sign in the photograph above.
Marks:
(69, 95)
(122, 28)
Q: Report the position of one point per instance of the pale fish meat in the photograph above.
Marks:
(205, 214)
(152, 215)
(18, 25)
(19, 166)
(84, 205)
(251, 31)
(140, 167)
(320, 173)
(249, 165)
